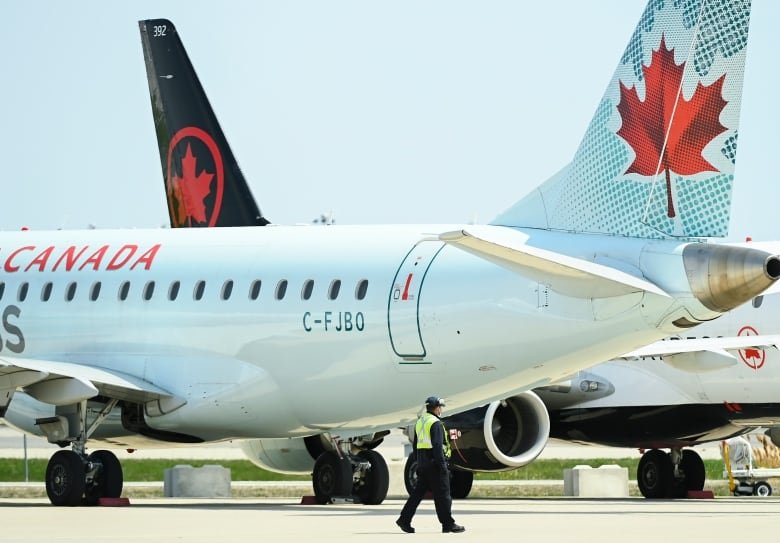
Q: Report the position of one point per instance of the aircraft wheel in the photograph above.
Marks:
(332, 476)
(655, 474)
(108, 479)
(65, 479)
(763, 489)
(410, 472)
(693, 467)
(460, 484)
(373, 490)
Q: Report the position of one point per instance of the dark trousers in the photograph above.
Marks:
(432, 478)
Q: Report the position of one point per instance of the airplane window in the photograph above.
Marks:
(227, 289)
(148, 290)
(94, 292)
(281, 289)
(23, 291)
(173, 290)
(335, 287)
(70, 293)
(46, 292)
(2, 289)
(361, 289)
(757, 301)
(308, 287)
(200, 286)
(254, 290)
(124, 290)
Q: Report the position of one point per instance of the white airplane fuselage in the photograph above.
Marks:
(434, 319)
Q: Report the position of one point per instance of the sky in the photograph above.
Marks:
(442, 111)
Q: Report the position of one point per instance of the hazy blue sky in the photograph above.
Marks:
(402, 111)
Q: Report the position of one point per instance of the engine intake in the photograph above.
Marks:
(502, 435)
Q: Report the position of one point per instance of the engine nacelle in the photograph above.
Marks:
(503, 435)
(294, 455)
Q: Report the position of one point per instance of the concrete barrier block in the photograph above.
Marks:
(607, 481)
(184, 481)
(396, 489)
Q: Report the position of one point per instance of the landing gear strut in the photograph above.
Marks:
(73, 477)
(362, 475)
(670, 475)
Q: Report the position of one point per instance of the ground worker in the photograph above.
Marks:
(432, 446)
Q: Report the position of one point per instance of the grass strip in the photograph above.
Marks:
(146, 470)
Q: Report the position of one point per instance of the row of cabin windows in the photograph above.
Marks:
(198, 290)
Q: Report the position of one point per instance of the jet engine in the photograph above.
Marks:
(502, 435)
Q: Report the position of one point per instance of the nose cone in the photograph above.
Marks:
(723, 277)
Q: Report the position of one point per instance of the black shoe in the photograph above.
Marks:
(405, 526)
(454, 528)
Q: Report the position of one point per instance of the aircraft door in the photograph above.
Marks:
(403, 304)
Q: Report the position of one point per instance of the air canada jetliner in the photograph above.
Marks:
(671, 400)
(313, 342)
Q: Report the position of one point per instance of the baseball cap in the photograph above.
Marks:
(434, 401)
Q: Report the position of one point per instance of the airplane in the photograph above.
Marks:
(312, 342)
(571, 408)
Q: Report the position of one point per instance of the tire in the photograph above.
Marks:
(410, 472)
(693, 467)
(109, 479)
(655, 474)
(763, 489)
(332, 476)
(373, 489)
(460, 484)
(65, 479)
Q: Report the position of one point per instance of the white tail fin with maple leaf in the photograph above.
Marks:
(658, 157)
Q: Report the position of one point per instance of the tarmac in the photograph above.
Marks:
(269, 520)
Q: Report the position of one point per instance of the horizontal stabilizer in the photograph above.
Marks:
(61, 383)
(564, 274)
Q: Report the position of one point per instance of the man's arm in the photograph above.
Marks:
(437, 441)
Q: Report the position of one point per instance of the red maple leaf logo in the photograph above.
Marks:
(190, 190)
(666, 131)
(752, 353)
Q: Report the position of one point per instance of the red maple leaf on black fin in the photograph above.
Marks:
(667, 132)
(190, 190)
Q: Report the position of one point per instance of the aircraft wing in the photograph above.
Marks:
(63, 383)
(680, 346)
(562, 273)
(700, 355)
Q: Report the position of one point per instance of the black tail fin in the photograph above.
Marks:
(203, 182)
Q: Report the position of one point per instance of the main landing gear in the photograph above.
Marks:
(670, 475)
(361, 475)
(460, 481)
(73, 477)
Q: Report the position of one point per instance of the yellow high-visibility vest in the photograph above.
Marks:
(423, 431)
